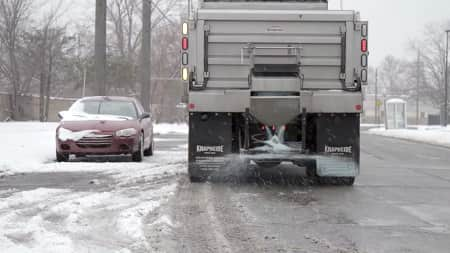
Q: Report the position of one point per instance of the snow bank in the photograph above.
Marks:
(427, 134)
(171, 128)
(50, 220)
(30, 147)
(26, 145)
(131, 221)
(54, 220)
(29, 197)
(14, 227)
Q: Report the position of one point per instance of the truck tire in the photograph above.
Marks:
(336, 181)
(348, 181)
(197, 179)
(268, 164)
(195, 175)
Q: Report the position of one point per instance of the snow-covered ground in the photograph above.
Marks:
(427, 134)
(30, 147)
(70, 219)
(164, 128)
(26, 146)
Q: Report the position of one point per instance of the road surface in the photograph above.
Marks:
(400, 203)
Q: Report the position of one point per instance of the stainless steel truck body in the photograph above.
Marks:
(274, 81)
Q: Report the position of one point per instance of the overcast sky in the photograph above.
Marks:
(393, 23)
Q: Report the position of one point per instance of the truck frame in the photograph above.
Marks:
(272, 82)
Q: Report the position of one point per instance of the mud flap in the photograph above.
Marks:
(338, 141)
(210, 141)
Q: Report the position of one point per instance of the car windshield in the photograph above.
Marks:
(115, 108)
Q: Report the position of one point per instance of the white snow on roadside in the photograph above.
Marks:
(164, 220)
(65, 220)
(33, 230)
(30, 147)
(164, 224)
(131, 220)
(431, 135)
(49, 220)
(164, 128)
(40, 239)
(29, 197)
(26, 145)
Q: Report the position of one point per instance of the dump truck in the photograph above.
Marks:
(270, 82)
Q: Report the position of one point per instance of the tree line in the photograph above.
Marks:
(43, 53)
(422, 75)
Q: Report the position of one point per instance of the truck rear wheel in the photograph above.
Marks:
(348, 181)
(336, 181)
(197, 179)
(195, 174)
(268, 164)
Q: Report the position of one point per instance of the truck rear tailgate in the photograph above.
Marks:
(320, 35)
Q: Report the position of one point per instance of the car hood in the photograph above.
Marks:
(100, 125)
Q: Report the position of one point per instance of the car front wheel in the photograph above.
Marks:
(149, 151)
(139, 154)
(62, 157)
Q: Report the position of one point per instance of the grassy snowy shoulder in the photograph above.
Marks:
(30, 147)
(26, 145)
(434, 135)
(45, 220)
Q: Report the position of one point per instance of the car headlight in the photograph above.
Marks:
(64, 134)
(126, 132)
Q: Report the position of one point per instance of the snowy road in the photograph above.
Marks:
(87, 205)
(400, 203)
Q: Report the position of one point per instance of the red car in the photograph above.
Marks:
(105, 126)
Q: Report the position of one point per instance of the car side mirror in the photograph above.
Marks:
(145, 115)
(61, 114)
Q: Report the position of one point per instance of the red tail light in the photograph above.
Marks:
(364, 45)
(185, 43)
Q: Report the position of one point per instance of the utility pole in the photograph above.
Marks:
(418, 89)
(100, 48)
(376, 98)
(189, 9)
(446, 82)
(83, 93)
(146, 54)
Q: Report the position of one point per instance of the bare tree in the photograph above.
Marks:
(13, 14)
(432, 47)
(47, 35)
(391, 73)
(166, 63)
(125, 26)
